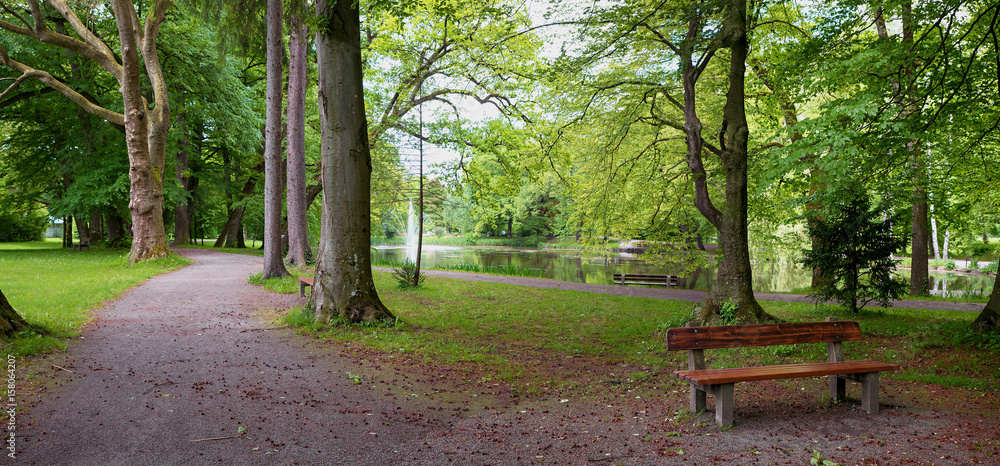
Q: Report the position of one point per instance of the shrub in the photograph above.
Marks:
(989, 268)
(854, 251)
(949, 265)
(22, 226)
(973, 263)
(406, 274)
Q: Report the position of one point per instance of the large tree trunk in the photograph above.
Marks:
(145, 128)
(10, 321)
(989, 319)
(734, 285)
(182, 218)
(273, 266)
(298, 227)
(344, 286)
(116, 229)
(82, 228)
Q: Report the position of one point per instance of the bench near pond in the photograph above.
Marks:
(645, 279)
(719, 382)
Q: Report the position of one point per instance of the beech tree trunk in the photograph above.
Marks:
(145, 128)
(344, 287)
(182, 218)
(298, 227)
(273, 266)
(10, 321)
(734, 285)
(989, 319)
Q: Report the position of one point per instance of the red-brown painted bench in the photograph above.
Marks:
(719, 382)
(645, 279)
(303, 283)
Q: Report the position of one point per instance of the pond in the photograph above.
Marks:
(571, 266)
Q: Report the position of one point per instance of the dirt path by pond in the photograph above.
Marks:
(678, 294)
(189, 368)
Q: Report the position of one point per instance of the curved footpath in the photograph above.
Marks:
(189, 368)
(677, 294)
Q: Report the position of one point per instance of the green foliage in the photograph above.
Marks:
(854, 247)
(728, 312)
(817, 460)
(406, 275)
(505, 269)
(949, 265)
(989, 268)
(22, 226)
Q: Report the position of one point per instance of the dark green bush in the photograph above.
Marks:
(22, 226)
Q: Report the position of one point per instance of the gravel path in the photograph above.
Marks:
(189, 369)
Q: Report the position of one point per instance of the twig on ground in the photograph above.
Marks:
(62, 368)
(215, 438)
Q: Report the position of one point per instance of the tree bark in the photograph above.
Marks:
(298, 227)
(273, 266)
(145, 128)
(344, 287)
(182, 218)
(10, 321)
(989, 319)
(116, 229)
(82, 228)
(734, 285)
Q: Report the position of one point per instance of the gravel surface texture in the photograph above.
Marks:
(189, 368)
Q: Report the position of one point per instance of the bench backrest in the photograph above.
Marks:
(735, 336)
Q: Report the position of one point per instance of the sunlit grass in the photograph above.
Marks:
(514, 333)
(55, 288)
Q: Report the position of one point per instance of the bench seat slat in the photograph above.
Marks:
(307, 280)
(789, 371)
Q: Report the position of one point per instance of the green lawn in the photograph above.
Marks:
(55, 288)
(528, 337)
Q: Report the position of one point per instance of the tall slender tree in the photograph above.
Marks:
(298, 227)
(273, 265)
(344, 287)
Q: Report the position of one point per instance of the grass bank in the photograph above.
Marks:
(537, 340)
(55, 288)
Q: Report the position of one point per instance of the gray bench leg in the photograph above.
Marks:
(724, 404)
(302, 289)
(697, 398)
(869, 392)
(838, 388)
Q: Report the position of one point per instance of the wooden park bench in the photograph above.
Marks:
(303, 283)
(645, 279)
(84, 243)
(719, 382)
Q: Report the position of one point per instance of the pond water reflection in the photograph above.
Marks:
(572, 266)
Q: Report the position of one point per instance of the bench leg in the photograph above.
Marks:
(302, 289)
(724, 404)
(838, 388)
(869, 392)
(697, 399)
